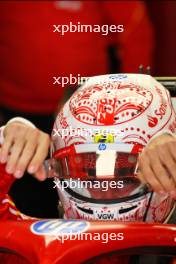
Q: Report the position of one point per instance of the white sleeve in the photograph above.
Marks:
(15, 119)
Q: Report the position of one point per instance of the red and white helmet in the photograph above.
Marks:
(97, 137)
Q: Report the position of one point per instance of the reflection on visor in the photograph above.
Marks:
(99, 175)
(106, 175)
(108, 164)
(104, 189)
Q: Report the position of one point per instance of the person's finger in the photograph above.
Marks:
(40, 173)
(160, 171)
(12, 132)
(141, 177)
(167, 160)
(41, 153)
(16, 151)
(26, 156)
(6, 146)
(147, 174)
(172, 147)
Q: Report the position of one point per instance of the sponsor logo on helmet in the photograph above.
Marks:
(102, 146)
(59, 227)
(118, 77)
(105, 215)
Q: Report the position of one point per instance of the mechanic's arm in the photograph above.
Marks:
(157, 164)
(24, 147)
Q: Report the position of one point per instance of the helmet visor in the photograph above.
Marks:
(96, 172)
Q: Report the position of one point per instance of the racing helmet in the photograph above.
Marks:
(96, 140)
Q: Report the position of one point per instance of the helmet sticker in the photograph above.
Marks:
(103, 137)
(102, 146)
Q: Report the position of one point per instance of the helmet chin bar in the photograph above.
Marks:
(132, 210)
(140, 207)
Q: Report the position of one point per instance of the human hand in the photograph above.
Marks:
(157, 165)
(24, 148)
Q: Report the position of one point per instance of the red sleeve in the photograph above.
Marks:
(8, 209)
(134, 45)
